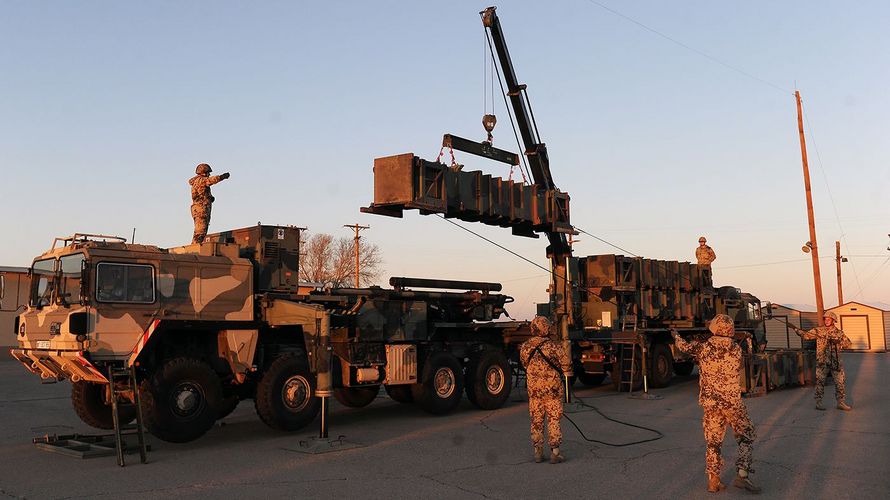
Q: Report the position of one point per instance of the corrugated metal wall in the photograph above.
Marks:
(778, 334)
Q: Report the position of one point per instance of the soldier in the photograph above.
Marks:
(704, 254)
(202, 199)
(720, 396)
(830, 340)
(545, 363)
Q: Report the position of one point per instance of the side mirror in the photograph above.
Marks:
(767, 311)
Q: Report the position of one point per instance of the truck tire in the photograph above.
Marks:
(400, 393)
(356, 397)
(89, 402)
(489, 379)
(180, 402)
(441, 385)
(285, 396)
(591, 379)
(662, 366)
(683, 368)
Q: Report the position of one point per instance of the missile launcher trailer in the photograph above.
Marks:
(207, 325)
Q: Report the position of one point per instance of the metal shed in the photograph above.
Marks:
(13, 302)
(867, 326)
(778, 334)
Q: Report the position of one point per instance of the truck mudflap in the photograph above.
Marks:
(59, 365)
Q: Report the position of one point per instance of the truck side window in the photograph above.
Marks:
(125, 283)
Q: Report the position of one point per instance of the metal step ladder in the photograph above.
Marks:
(127, 378)
(627, 365)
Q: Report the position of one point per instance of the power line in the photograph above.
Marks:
(692, 49)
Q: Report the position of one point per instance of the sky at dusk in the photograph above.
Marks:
(664, 121)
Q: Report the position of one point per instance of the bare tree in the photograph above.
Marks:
(324, 259)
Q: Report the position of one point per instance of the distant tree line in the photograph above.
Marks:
(325, 259)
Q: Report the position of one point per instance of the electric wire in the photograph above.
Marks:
(692, 49)
(585, 404)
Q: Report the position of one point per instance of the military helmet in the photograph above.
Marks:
(702, 239)
(830, 314)
(203, 169)
(721, 325)
(541, 326)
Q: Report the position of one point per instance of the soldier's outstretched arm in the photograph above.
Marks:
(688, 347)
(213, 179)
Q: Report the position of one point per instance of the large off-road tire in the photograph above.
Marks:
(684, 368)
(488, 379)
(662, 370)
(591, 379)
(227, 406)
(92, 406)
(180, 402)
(400, 393)
(285, 396)
(356, 397)
(441, 385)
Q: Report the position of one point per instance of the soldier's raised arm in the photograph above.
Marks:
(213, 179)
(693, 347)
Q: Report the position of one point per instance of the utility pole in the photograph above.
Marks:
(839, 259)
(357, 228)
(817, 278)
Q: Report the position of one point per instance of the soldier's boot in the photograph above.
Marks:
(745, 483)
(539, 454)
(714, 484)
(819, 405)
(555, 456)
(844, 406)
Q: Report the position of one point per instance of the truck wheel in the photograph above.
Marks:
(227, 406)
(356, 397)
(285, 396)
(683, 368)
(442, 384)
(489, 379)
(181, 400)
(400, 393)
(591, 379)
(90, 404)
(662, 366)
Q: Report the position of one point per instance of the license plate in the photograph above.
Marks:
(43, 344)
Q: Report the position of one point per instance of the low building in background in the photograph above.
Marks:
(14, 301)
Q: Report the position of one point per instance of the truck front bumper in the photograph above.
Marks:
(59, 365)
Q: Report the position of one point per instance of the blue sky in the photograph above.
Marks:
(108, 106)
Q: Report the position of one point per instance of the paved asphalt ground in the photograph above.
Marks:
(405, 453)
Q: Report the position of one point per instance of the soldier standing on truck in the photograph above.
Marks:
(704, 254)
(830, 340)
(719, 359)
(202, 199)
(545, 362)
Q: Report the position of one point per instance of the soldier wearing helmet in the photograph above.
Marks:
(202, 199)
(704, 254)
(546, 362)
(830, 340)
(720, 396)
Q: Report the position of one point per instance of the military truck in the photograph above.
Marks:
(626, 307)
(207, 325)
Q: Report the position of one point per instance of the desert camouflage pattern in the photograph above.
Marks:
(202, 201)
(830, 341)
(545, 386)
(719, 359)
(132, 291)
(705, 255)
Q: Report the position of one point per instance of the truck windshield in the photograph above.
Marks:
(43, 282)
(70, 267)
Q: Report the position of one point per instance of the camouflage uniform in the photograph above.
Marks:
(202, 200)
(705, 255)
(545, 384)
(719, 359)
(830, 340)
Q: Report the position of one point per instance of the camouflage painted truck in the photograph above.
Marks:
(626, 307)
(205, 326)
